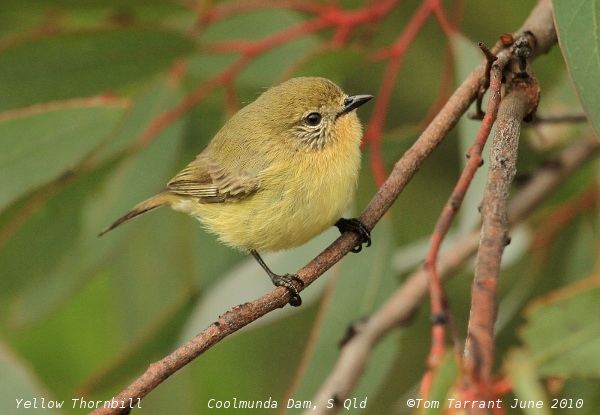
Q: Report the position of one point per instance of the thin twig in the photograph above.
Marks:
(521, 99)
(396, 54)
(439, 310)
(222, 11)
(406, 300)
(446, 85)
(490, 58)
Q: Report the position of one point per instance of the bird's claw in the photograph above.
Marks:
(359, 228)
(289, 281)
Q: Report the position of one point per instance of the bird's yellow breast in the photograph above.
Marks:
(299, 196)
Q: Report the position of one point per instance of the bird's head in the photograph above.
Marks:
(311, 112)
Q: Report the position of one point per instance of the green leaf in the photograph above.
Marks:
(258, 363)
(21, 16)
(40, 144)
(151, 343)
(134, 293)
(577, 24)
(68, 250)
(266, 68)
(562, 334)
(252, 25)
(362, 282)
(526, 385)
(91, 322)
(150, 103)
(334, 63)
(445, 378)
(249, 281)
(81, 64)
(467, 57)
(33, 280)
(18, 383)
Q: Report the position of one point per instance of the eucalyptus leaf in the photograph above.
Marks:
(42, 269)
(38, 146)
(361, 283)
(467, 57)
(248, 281)
(87, 63)
(579, 39)
(89, 320)
(84, 15)
(562, 334)
(526, 385)
(445, 378)
(18, 385)
(266, 68)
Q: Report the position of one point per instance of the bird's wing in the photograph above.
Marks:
(210, 182)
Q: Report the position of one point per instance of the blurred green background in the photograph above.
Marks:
(80, 81)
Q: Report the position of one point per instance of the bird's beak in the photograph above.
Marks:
(352, 102)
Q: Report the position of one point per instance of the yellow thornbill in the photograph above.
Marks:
(279, 172)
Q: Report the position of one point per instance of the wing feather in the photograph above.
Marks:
(210, 182)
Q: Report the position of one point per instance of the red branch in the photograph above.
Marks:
(330, 16)
(449, 26)
(221, 11)
(521, 98)
(396, 54)
(445, 23)
(446, 85)
(344, 21)
(404, 170)
(251, 49)
(324, 17)
(162, 121)
(347, 21)
(439, 311)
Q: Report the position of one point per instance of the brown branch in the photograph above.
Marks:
(243, 314)
(521, 99)
(406, 300)
(439, 311)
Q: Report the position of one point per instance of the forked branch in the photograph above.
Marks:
(539, 23)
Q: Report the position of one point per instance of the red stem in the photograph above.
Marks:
(438, 301)
(396, 54)
(327, 17)
(221, 11)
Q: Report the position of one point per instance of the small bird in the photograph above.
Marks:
(278, 173)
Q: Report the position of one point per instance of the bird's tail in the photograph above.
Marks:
(143, 207)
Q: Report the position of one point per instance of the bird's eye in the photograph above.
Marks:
(313, 119)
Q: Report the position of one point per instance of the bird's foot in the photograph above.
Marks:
(356, 226)
(289, 281)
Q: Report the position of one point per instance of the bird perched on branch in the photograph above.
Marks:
(279, 172)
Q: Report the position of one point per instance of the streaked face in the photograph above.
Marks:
(318, 126)
(314, 111)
